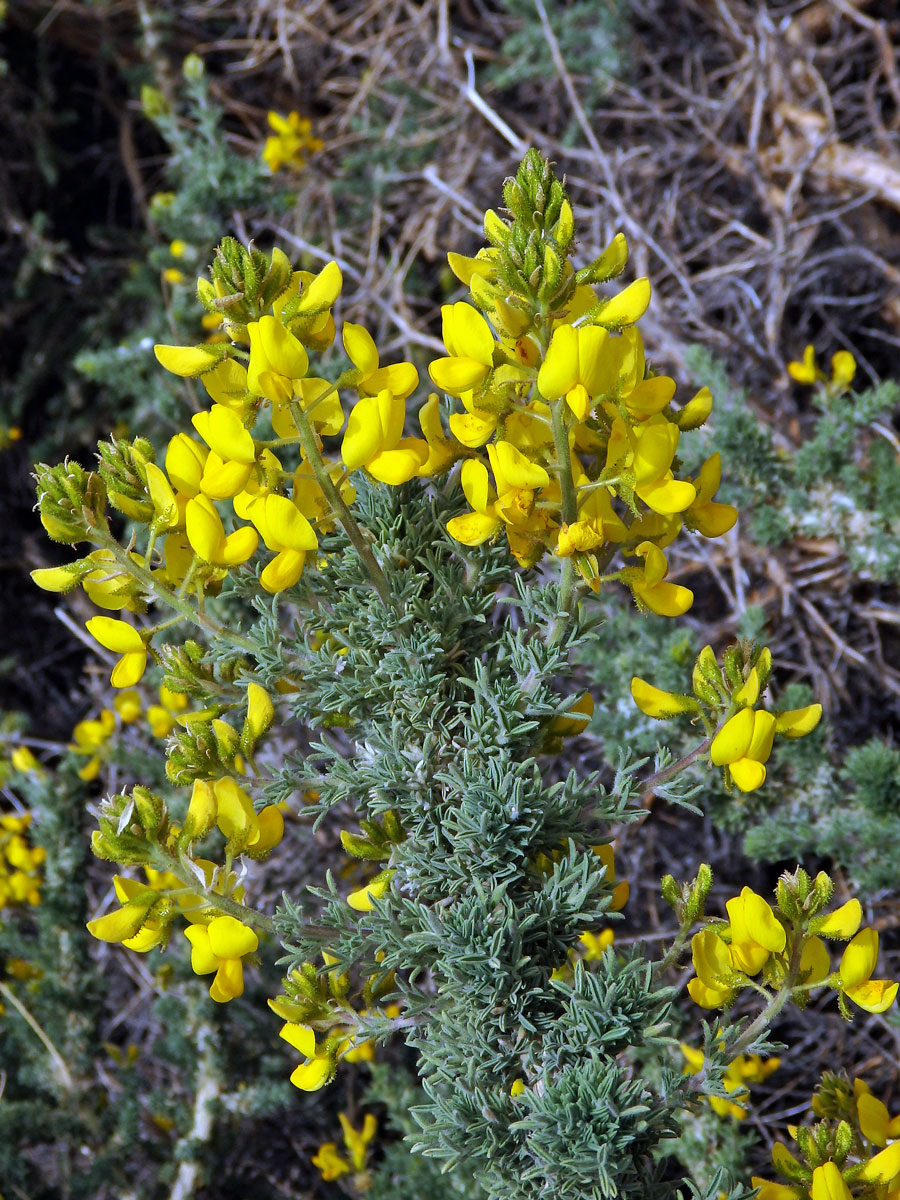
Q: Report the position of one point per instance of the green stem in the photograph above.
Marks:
(174, 601)
(674, 952)
(663, 776)
(310, 447)
(775, 1005)
(564, 462)
(245, 914)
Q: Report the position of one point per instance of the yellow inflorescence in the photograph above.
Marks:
(20, 862)
(854, 1144)
(291, 143)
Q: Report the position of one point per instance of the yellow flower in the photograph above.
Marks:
(574, 367)
(706, 515)
(470, 348)
(161, 717)
(319, 1069)
(857, 964)
(122, 639)
(24, 761)
(843, 369)
(716, 978)
(206, 535)
(220, 947)
(475, 527)
(374, 440)
(744, 742)
(594, 944)
(232, 452)
(843, 922)
(328, 1160)
(401, 379)
(91, 738)
(874, 1120)
(654, 702)
(741, 1071)
(646, 452)
(287, 532)
(884, 1168)
(743, 745)
(362, 899)
(653, 591)
(774, 1191)
(260, 714)
(828, 1184)
(277, 360)
(124, 924)
(291, 143)
(441, 451)
(755, 931)
(621, 891)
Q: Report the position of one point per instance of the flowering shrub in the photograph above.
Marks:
(382, 631)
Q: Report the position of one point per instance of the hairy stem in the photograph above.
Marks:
(349, 524)
(233, 908)
(180, 604)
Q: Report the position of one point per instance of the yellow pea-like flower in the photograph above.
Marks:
(277, 358)
(374, 440)
(843, 922)
(828, 1184)
(470, 350)
(401, 379)
(743, 745)
(206, 535)
(185, 460)
(654, 702)
(627, 307)
(165, 502)
(188, 361)
(857, 964)
(653, 590)
(220, 947)
(710, 518)
(476, 527)
(227, 384)
(798, 722)
(756, 933)
(574, 367)
(286, 531)
(125, 640)
(883, 1168)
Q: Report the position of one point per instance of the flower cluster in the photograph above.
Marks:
(332, 1164)
(726, 700)
(208, 895)
(291, 142)
(95, 738)
(321, 1023)
(851, 1153)
(572, 437)
(785, 946)
(20, 863)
